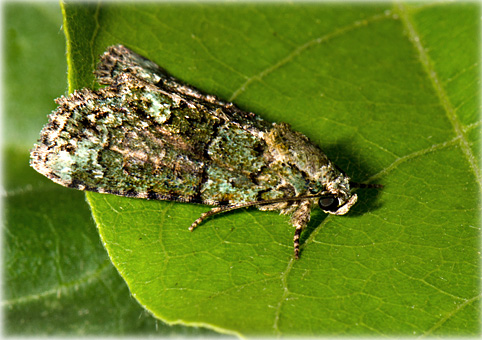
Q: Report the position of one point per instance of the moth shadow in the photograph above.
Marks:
(358, 170)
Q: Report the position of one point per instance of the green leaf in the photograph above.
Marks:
(389, 92)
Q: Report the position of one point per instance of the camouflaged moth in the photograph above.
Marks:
(148, 135)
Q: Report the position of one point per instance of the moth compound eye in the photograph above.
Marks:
(328, 204)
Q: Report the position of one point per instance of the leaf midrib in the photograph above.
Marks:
(428, 66)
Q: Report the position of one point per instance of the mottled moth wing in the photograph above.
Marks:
(119, 60)
(136, 138)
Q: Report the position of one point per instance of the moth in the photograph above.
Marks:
(147, 135)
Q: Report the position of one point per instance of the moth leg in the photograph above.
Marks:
(205, 215)
(299, 220)
(226, 208)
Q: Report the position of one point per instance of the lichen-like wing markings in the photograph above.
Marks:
(236, 156)
(129, 139)
(118, 60)
(234, 151)
(135, 139)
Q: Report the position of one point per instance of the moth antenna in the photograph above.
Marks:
(365, 185)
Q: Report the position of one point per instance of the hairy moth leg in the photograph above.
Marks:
(211, 212)
(299, 219)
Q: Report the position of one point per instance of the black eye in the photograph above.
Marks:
(328, 204)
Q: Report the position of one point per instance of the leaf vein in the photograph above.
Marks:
(299, 50)
(432, 74)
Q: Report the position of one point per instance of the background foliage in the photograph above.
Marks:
(390, 92)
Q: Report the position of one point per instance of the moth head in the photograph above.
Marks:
(337, 204)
